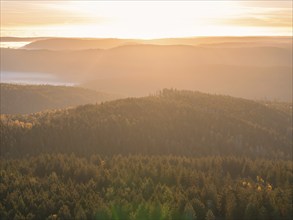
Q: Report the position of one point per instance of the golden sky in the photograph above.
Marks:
(145, 19)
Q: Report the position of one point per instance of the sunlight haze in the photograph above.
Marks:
(146, 110)
(145, 19)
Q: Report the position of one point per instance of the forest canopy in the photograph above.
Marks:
(169, 122)
(168, 156)
(145, 187)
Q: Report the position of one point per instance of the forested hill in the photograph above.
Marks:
(170, 122)
(25, 99)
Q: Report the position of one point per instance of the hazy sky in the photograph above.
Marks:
(145, 19)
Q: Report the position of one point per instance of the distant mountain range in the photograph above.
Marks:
(248, 67)
(107, 43)
(138, 70)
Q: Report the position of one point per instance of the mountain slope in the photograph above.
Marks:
(171, 122)
(25, 99)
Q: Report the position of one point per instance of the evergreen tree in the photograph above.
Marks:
(189, 213)
(64, 213)
(79, 213)
(210, 215)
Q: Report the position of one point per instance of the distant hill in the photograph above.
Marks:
(77, 44)
(107, 43)
(170, 122)
(137, 70)
(25, 99)
(18, 39)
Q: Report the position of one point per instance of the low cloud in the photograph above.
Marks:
(259, 22)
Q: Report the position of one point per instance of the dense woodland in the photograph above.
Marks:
(169, 156)
(145, 187)
(25, 99)
(170, 122)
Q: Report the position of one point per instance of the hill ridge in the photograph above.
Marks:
(170, 122)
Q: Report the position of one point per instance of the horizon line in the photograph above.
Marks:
(159, 38)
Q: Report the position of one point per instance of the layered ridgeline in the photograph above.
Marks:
(25, 99)
(106, 43)
(170, 122)
(228, 66)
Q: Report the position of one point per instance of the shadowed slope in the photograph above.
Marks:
(25, 99)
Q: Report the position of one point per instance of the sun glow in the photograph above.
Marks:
(141, 19)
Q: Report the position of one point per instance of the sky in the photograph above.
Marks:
(145, 19)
